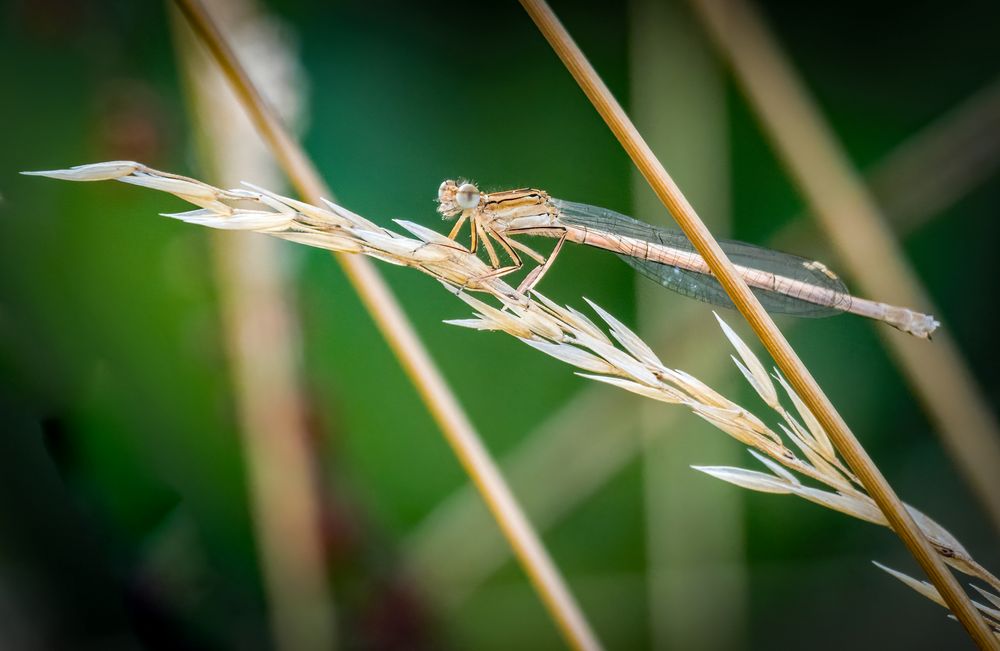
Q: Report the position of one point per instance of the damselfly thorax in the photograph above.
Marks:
(502, 211)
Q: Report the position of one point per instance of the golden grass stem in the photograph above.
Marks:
(567, 335)
(852, 221)
(594, 429)
(403, 340)
(550, 490)
(761, 323)
(261, 334)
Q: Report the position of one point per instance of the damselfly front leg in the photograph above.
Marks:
(458, 226)
(491, 217)
(494, 260)
(498, 271)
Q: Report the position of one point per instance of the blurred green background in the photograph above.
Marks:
(124, 520)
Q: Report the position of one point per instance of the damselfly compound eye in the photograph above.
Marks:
(467, 196)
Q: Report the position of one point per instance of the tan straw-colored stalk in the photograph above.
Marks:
(550, 490)
(853, 223)
(615, 355)
(779, 348)
(395, 327)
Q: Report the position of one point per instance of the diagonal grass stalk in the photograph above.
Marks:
(855, 226)
(609, 353)
(763, 325)
(405, 343)
(550, 489)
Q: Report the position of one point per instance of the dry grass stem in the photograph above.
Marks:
(800, 449)
(565, 460)
(406, 345)
(854, 225)
(763, 325)
(334, 228)
(551, 488)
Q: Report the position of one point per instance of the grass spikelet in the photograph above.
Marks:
(569, 336)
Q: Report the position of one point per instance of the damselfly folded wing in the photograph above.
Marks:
(813, 292)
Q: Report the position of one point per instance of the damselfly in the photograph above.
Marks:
(784, 283)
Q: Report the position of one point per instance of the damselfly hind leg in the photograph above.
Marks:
(535, 275)
(498, 271)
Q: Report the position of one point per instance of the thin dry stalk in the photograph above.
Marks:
(779, 348)
(853, 223)
(622, 359)
(334, 228)
(551, 488)
(261, 333)
(406, 345)
(557, 467)
(568, 458)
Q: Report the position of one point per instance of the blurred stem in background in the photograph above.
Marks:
(261, 329)
(928, 172)
(589, 428)
(694, 532)
(853, 223)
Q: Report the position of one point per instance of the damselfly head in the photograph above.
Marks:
(454, 197)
